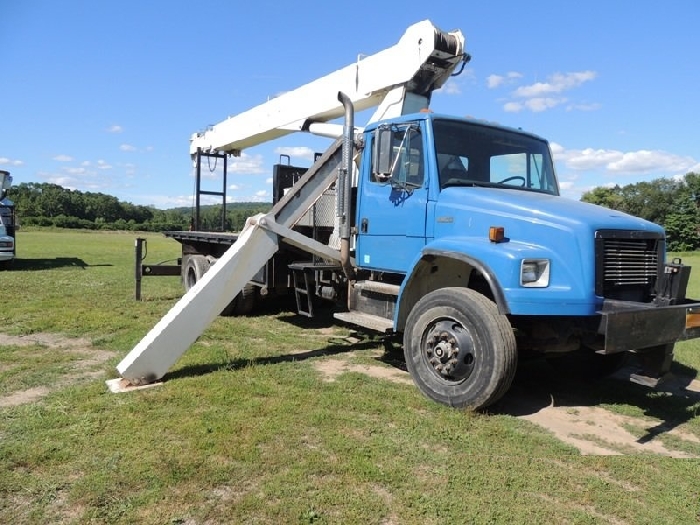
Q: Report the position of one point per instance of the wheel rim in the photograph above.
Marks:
(448, 350)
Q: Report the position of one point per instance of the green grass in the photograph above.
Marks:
(246, 430)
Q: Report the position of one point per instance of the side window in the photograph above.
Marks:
(407, 163)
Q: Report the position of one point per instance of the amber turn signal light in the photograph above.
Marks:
(497, 234)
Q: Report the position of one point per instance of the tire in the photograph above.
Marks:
(459, 350)
(587, 365)
(195, 268)
(243, 303)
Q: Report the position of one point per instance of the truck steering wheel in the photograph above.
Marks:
(514, 177)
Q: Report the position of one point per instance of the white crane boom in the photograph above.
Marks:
(399, 79)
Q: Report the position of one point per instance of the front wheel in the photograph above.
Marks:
(459, 349)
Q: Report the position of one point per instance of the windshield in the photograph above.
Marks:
(474, 155)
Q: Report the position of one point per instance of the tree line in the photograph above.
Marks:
(45, 204)
(672, 203)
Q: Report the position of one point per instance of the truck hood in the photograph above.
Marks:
(519, 209)
(536, 226)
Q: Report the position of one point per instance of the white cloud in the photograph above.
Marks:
(556, 148)
(127, 147)
(168, 201)
(565, 185)
(644, 161)
(301, 152)
(584, 107)
(513, 107)
(4, 161)
(234, 187)
(538, 104)
(494, 81)
(695, 168)
(102, 165)
(542, 96)
(69, 183)
(63, 158)
(619, 162)
(262, 193)
(115, 129)
(451, 87)
(268, 180)
(558, 82)
(246, 164)
(75, 171)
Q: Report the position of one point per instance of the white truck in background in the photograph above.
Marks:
(7, 222)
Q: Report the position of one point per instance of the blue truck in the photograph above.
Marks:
(447, 232)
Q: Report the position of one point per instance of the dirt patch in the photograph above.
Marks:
(596, 431)
(571, 411)
(44, 339)
(331, 368)
(85, 367)
(592, 429)
(22, 397)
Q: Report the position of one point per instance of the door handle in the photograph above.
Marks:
(364, 225)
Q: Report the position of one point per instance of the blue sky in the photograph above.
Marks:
(103, 96)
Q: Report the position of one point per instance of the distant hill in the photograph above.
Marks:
(45, 204)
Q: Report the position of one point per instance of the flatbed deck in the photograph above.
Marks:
(225, 238)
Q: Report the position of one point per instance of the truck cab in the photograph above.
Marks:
(487, 197)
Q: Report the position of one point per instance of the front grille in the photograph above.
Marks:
(628, 264)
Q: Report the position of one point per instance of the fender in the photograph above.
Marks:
(424, 277)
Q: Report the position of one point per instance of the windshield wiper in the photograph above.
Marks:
(467, 183)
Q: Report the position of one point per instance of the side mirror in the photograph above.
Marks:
(383, 152)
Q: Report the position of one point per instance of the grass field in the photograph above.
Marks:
(273, 419)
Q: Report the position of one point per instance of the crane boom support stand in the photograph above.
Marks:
(399, 79)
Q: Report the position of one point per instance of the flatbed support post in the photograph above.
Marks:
(189, 317)
(138, 258)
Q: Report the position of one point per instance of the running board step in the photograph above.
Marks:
(378, 287)
(373, 322)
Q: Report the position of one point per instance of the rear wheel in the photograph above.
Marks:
(243, 303)
(195, 268)
(459, 350)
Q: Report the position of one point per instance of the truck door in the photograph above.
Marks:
(391, 215)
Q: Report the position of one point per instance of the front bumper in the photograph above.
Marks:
(633, 326)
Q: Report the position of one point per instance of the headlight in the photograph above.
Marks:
(534, 273)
